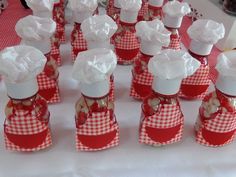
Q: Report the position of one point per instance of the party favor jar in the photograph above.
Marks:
(113, 10)
(26, 127)
(97, 31)
(81, 10)
(153, 36)
(154, 10)
(35, 31)
(126, 43)
(204, 34)
(174, 11)
(59, 18)
(41, 8)
(162, 119)
(96, 125)
(216, 122)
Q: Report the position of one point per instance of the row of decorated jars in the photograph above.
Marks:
(27, 128)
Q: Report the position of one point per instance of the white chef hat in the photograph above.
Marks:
(92, 69)
(169, 68)
(204, 34)
(82, 9)
(226, 66)
(36, 32)
(129, 10)
(156, 3)
(174, 12)
(153, 36)
(19, 66)
(41, 8)
(97, 30)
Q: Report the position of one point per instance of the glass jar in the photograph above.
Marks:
(86, 105)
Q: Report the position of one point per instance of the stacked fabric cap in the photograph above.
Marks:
(153, 36)
(226, 67)
(42, 8)
(204, 34)
(169, 68)
(36, 32)
(174, 11)
(92, 69)
(20, 65)
(82, 9)
(97, 30)
(129, 10)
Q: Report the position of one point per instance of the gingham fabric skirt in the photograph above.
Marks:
(26, 132)
(218, 131)
(162, 128)
(175, 42)
(153, 13)
(55, 51)
(196, 86)
(48, 88)
(112, 11)
(143, 11)
(78, 43)
(141, 85)
(61, 33)
(219, 128)
(98, 132)
(127, 48)
(112, 89)
(60, 21)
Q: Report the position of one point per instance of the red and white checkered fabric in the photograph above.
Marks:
(168, 116)
(112, 11)
(97, 124)
(202, 141)
(61, 32)
(55, 51)
(78, 42)
(24, 122)
(59, 18)
(46, 83)
(199, 78)
(153, 13)
(145, 78)
(112, 89)
(174, 42)
(12, 147)
(126, 43)
(221, 123)
(143, 10)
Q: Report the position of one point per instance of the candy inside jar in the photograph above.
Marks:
(152, 102)
(86, 105)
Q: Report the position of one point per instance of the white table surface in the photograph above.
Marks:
(129, 159)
